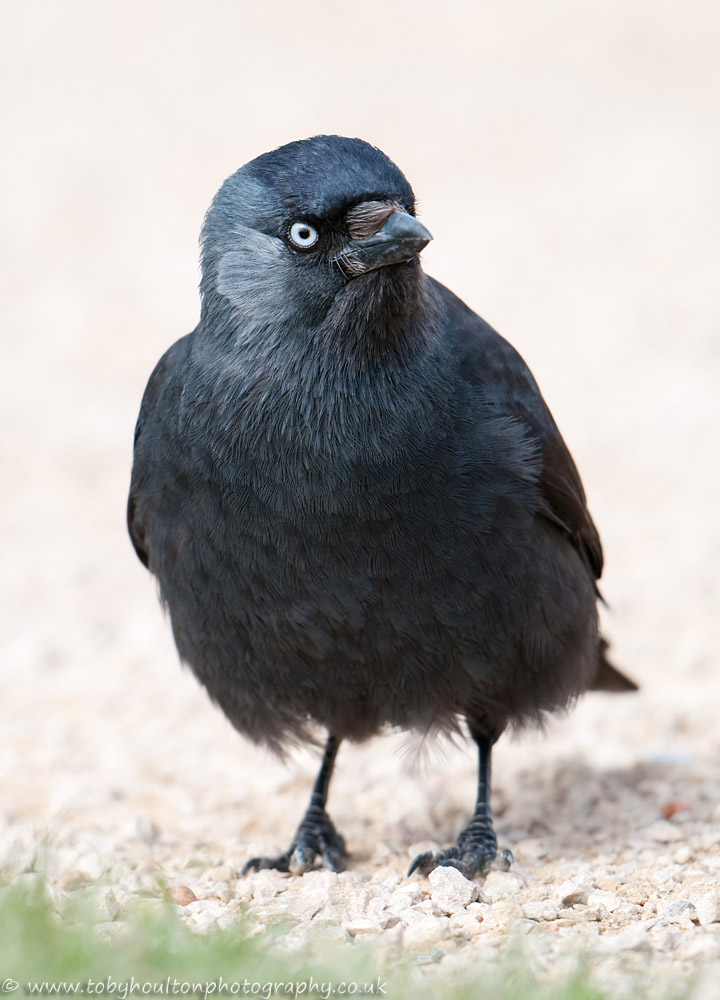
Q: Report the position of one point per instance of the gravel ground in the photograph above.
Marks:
(566, 158)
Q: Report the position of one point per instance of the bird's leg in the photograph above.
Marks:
(476, 850)
(316, 834)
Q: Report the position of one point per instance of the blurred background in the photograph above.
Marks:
(566, 158)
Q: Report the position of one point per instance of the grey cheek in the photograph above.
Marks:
(256, 279)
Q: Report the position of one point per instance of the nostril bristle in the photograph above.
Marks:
(365, 219)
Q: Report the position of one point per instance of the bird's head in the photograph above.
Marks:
(319, 225)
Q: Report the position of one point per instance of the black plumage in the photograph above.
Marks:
(357, 505)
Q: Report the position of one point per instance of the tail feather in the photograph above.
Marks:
(608, 677)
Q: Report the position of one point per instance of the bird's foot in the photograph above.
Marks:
(316, 836)
(469, 859)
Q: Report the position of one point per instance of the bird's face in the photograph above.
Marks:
(315, 221)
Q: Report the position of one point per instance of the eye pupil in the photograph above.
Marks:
(304, 234)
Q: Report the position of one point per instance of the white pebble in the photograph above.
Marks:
(575, 890)
(708, 908)
(464, 925)
(406, 895)
(362, 925)
(541, 909)
(423, 931)
(267, 884)
(678, 912)
(499, 885)
(99, 900)
(634, 938)
(451, 891)
(663, 832)
(600, 898)
(353, 894)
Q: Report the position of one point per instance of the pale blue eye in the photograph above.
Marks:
(303, 235)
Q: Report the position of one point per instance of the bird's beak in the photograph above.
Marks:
(400, 238)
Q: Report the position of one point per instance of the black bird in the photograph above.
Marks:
(355, 500)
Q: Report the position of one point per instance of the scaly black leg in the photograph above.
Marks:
(316, 834)
(476, 850)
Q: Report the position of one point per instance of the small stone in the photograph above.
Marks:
(307, 895)
(406, 895)
(430, 907)
(499, 885)
(638, 892)
(682, 855)
(503, 913)
(377, 912)
(181, 895)
(100, 901)
(708, 841)
(580, 914)
(266, 884)
(243, 890)
(632, 939)
(205, 922)
(362, 925)
(478, 908)
(255, 930)
(451, 891)
(531, 848)
(705, 987)
(575, 890)
(109, 930)
(465, 925)
(665, 937)
(666, 873)
(222, 891)
(678, 912)
(430, 958)
(331, 915)
(301, 906)
(151, 883)
(540, 910)
(91, 862)
(705, 947)
(708, 908)
(353, 894)
(608, 883)
(422, 931)
(228, 919)
(671, 808)
(382, 851)
(663, 832)
(599, 898)
(221, 873)
(73, 880)
(145, 830)
(384, 882)
(203, 914)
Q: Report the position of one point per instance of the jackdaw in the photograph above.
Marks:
(356, 503)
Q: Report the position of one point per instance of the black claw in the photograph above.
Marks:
(334, 853)
(281, 864)
(318, 838)
(503, 860)
(469, 861)
(421, 862)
